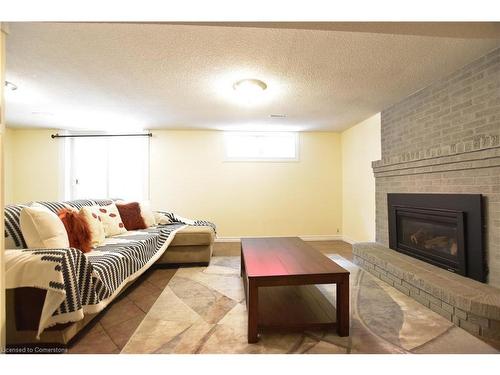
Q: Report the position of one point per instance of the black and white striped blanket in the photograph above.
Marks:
(78, 283)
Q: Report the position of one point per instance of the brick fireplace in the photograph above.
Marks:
(445, 138)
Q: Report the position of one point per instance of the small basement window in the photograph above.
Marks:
(261, 146)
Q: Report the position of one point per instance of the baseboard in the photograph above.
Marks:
(349, 240)
(314, 237)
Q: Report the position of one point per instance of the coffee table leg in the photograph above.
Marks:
(343, 308)
(253, 311)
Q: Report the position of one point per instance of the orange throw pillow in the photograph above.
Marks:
(131, 215)
(77, 229)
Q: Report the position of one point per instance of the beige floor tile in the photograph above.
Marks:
(95, 342)
(121, 333)
(119, 312)
(177, 309)
(153, 334)
(146, 302)
(160, 276)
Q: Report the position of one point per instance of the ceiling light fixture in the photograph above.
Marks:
(250, 87)
(10, 86)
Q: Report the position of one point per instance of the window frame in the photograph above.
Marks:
(67, 177)
(295, 159)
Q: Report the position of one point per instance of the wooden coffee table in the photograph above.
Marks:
(291, 267)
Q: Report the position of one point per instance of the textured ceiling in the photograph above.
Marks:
(130, 76)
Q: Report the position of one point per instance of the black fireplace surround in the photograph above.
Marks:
(445, 230)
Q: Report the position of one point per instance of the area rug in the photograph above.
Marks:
(202, 310)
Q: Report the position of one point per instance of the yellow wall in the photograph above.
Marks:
(330, 188)
(360, 146)
(9, 155)
(32, 166)
(189, 176)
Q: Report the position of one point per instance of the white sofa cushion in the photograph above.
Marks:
(42, 228)
(162, 218)
(147, 213)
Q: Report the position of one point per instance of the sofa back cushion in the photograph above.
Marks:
(79, 203)
(13, 236)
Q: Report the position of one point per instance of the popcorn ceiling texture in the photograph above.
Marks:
(170, 76)
(445, 138)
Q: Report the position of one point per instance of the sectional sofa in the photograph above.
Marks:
(53, 293)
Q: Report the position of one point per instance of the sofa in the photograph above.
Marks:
(53, 293)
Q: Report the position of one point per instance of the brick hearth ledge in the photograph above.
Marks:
(469, 304)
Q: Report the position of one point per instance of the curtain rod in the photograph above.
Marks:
(57, 135)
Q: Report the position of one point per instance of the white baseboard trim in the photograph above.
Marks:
(349, 240)
(313, 237)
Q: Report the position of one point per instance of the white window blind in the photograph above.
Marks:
(107, 167)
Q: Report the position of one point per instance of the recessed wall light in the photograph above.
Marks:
(10, 86)
(278, 115)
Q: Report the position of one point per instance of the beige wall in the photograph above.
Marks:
(189, 176)
(331, 188)
(32, 166)
(360, 146)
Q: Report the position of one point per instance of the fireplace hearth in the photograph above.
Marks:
(442, 229)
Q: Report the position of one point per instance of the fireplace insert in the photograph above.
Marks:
(445, 230)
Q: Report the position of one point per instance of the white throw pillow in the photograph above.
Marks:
(96, 228)
(42, 228)
(162, 219)
(147, 213)
(111, 220)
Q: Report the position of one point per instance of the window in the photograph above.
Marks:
(262, 146)
(107, 167)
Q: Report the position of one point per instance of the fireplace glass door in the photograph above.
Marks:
(435, 236)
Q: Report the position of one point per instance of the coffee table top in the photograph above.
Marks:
(285, 256)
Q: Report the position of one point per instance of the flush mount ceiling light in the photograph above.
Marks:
(10, 86)
(250, 88)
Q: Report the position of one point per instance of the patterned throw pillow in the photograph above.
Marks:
(111, 220)
(96, 228)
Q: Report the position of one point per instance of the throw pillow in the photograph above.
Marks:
(162, 219)
(77, 228)
(130, 214)
(96, 228)
(147, 214)
(42, 229)
(111, 220)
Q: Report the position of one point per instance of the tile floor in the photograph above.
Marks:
(110, 331)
